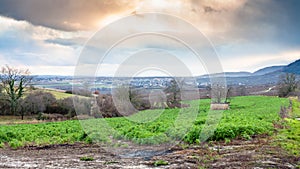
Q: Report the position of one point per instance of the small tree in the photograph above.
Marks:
(220, 96)
(173, 93)
(219, 93)
(287, 84)
(14, 81)
(242, 91)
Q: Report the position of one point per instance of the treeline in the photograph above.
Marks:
(122, 102)
(15, 99)
(38, 102)
(45, 106)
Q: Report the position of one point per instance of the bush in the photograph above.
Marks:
(36, 102)
(69, 92)
(71, 107)
(82, 105)
(4, 106)
(107, 106)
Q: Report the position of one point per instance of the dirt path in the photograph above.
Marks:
(257, 153)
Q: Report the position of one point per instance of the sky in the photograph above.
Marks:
(53, 37)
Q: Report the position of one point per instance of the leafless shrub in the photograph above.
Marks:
(283, 113)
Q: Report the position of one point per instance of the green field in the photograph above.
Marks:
(61, 95)
(247, 116)
(56, 94)
(289, 137)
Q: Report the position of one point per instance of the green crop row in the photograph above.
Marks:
(247, 116)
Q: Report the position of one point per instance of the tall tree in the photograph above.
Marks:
(14, 81)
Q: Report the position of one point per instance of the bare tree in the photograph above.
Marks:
(173, 93)
(14, 81)
(241, 91)
(287, 84)
(219, 93)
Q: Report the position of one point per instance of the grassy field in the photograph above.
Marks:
(56, 94)
(289, 137)
(61, 95)
(248, 116)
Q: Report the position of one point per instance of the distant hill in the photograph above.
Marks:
(228, 74)
(268, 70)
(293, 67)
(237, 74)
(267, 75)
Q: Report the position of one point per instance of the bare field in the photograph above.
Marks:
(257, 153)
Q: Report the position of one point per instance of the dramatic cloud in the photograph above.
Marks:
(45, 33)
(22, 44)
(69, 15)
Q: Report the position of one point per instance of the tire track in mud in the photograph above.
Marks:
(257, 153)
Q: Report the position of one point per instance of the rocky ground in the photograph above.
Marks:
(257, 153)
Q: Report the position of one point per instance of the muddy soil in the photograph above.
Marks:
(257, 153)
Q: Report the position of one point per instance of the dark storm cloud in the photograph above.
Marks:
(250, 20)
(273, 20)
(291, 22)
(69, 15)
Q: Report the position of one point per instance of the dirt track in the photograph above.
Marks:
(258, 153)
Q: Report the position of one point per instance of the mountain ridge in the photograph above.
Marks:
(267, 75)
(293, 67)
